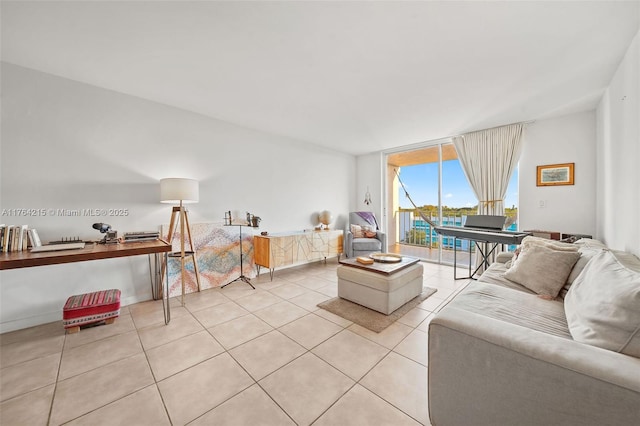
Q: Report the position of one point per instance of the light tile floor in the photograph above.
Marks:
(230, 356)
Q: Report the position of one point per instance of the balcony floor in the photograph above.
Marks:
(431, 255)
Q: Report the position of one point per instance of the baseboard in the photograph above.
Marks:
(56, 316)
(19, 324)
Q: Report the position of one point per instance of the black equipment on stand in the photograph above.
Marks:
(485, 229)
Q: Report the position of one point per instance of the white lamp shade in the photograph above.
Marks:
(174, 190)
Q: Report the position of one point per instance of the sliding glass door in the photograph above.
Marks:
(426, 185)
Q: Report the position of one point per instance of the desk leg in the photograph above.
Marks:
(166, 309)
(155, 276)
(153, 286)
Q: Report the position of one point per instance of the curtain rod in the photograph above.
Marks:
(432, 142)
(491, 128)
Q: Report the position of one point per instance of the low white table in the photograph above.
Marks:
(383, 287)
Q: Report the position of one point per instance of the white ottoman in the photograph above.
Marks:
(380, 292)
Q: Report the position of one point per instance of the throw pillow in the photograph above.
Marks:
(357, 232)
(591, 243)
(369, 231)
(542, 269)
(603, 304)
(586, 253)
(514, 257)
(587, 249)
(552, 244)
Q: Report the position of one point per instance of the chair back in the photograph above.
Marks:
(363, 219)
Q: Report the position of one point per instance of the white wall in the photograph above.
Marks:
(369, 176)
(569, 208)
(68, 145)
(618, 190)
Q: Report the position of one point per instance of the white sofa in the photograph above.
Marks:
(499, 354)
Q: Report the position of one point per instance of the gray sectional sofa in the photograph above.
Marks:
(503, 353)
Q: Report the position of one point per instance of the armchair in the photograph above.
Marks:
(358, 246)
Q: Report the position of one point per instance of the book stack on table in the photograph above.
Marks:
(17, 238)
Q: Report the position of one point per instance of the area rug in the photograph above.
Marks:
(368, 318)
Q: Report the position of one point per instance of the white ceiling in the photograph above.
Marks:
(356, 77)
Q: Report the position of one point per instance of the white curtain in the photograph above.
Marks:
(488, 158)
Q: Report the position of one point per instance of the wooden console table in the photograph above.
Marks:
(272, 251)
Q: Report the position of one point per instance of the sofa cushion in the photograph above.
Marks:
(494, 274)
(513, 307)
(367, 244)
(542, 269)
(603, 304)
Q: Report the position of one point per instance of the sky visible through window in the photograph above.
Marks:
(421, 182)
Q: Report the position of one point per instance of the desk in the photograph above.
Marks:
(91, 251)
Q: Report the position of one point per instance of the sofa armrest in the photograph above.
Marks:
(383, 240)
(348, 243)
(509, 374)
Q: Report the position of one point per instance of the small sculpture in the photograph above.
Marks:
(324, 217)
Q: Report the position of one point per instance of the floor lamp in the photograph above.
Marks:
(182, 191)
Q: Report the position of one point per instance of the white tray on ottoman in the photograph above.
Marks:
(383, 287)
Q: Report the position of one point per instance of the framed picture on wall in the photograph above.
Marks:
(555, 174)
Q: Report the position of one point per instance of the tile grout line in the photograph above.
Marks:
(153, 375)
(55, 385)
(225, 350)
